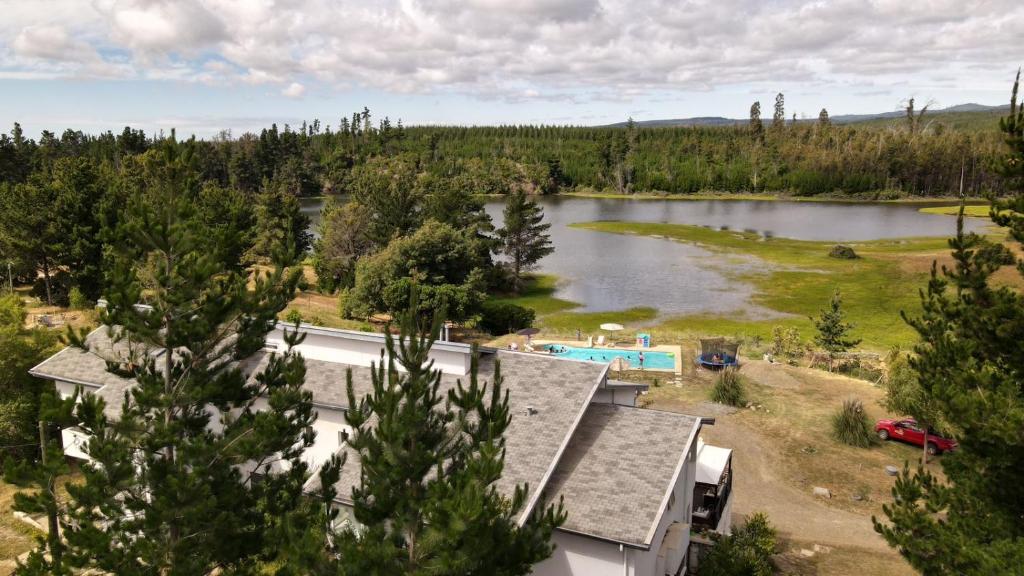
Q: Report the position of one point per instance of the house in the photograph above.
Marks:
(628, 476)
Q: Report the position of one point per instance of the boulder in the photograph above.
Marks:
(843, 252)
(892, 470)
(822, 492)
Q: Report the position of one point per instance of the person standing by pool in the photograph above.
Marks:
(641, 358)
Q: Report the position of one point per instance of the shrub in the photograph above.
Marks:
(747, 551)
(77, 300)
(293, 316)
(505, 317)
(729, 389)
(850, 425)
(843, 252)
(786, 342)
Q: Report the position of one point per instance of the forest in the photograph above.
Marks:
(907, 157)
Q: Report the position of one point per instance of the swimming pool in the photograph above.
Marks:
(652, 360)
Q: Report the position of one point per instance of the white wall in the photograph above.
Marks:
(581, 556)
(615, 395)
(328, 424)
(361, 352)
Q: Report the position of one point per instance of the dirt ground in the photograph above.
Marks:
(782, 449)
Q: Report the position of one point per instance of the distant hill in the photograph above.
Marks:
(962, 116)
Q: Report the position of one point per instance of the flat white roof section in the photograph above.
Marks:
(711, 462)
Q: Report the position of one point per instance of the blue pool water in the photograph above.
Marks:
(653, 360)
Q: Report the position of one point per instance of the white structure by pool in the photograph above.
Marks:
(627, 475)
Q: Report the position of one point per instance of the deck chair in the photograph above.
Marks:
(600, 340)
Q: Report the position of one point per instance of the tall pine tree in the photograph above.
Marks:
(970, 364)
(426, 502)
(524, 236)
(171, 486)
(833, 330)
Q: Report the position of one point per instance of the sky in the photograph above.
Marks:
(202, 66)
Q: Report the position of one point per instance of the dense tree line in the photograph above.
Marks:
(912, 157)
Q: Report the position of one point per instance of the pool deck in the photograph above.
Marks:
(677, 351)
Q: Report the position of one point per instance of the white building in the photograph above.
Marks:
(631, 478)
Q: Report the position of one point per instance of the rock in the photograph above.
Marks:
(857, 497)
(843, 252)
(822, 549)
(806, 553)
(822, 492)
(892, 470)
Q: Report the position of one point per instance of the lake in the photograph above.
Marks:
(615, 272)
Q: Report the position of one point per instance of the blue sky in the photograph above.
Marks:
(206, 65)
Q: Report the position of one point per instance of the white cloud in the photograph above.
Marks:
(294, 90)
(519, 49)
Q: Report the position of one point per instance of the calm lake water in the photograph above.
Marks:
(616, 272)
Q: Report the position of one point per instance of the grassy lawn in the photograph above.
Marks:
(800, 277)
(978, 211)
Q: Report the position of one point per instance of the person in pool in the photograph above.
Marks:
(641, 358)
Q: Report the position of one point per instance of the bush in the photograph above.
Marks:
(786, 342)
(747, 551)
(504, 317)
(729, 389)
(77, 300)
(843, 252)
(850, 425)
(293, 316)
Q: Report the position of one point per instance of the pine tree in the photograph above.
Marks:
(779, 117)
(279, 221)
(426, 502)
(171, 486)
(823, 120)
(756, 127)
(833, 330)
(28, 232)
(524, 235)
(970, 365)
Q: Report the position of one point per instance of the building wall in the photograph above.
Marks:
(329, 423)
(615, 395)
(581, 556)
(361, 352)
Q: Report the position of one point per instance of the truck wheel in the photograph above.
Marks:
(883, 434)
(933, 450)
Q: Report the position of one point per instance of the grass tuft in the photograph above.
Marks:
(850, 425)
(729, 389)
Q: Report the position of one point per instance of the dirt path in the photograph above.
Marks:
(799, 516)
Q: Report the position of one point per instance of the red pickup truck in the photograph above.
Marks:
(908, 431)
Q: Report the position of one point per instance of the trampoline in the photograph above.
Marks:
(716, 353)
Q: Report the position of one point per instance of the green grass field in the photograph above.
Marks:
(976, 211)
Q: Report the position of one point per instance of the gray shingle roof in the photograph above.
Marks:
(87, 368)
(557, 390)
(617, 470)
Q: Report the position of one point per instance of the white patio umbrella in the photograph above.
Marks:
(612, 327)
